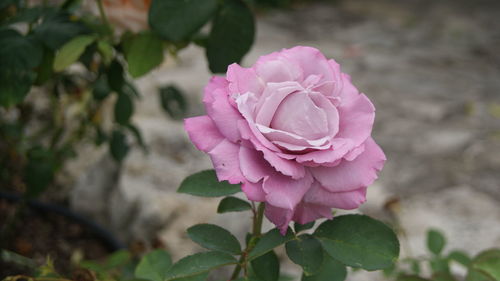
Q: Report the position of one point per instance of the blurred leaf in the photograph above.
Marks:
(460, 257)
(410, 278)
(233, 204)
(359, 241)
(101, 88)
(138, 136)
(330, 270)
(116, 259)
(118, 146)
(14, 86)
(300, 227)
(439, 265)
(206, 184)
(45, 70)
(198, 263)
(231, 37)
(143, 53)
(415, 267)
(488, 264)
(71, 51)
(178, 20)
(269, 241)
(116, 80)
(307, 252)
(106, 51)
(440, 276)
(154, 266)
(267, 267)
(173, 102)
(124, 108)
(39, 172)
(435, 241)
(214, 237)
(57, 28)
(19, 52)
(11, 257)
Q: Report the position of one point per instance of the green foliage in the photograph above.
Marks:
(118, 145)
(71, 51)
(233, 204)
(144, 52)
(307, 252)
(359, 241)
(435, 241)
(154, 266)
(124, 108)
(179, 20)
(231, 36)
(173, 102)
(330, 270)
(214, 237)
(267, 267)
(485, 266)
(269, 241)
(301, 227)
(198, 263)
(206, 184)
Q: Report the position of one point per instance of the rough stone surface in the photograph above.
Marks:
(430, 67)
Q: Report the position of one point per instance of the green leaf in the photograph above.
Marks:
(441, 276)
(460, 257)
(118, 258)
(359, 241)
(138, 136)
(269, 241)
(214, 237)
(118, 146)
(173, 102)
(439, 265)
(116, 80)
(57, 28)
(19, 52)
(267, 267)
(231, 37)
(143, 53)
(45, 70)
(124, 109)
(300, 227)
(488, 264)
(71, 51)
(177, 20)
(330, 270)
(101, 88)
(206, 184)
(307, 252)
(435, 241)
(106, 51)
(14, 86)
(200, 277)
(233, 204)
(411, 278)
(40, 170)
(154, 266)
(198, 263)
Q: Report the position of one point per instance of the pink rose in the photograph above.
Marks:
(294, 131)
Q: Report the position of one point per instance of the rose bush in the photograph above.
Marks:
(294, 131)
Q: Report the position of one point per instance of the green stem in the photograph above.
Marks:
(256, 232)
(102, 13)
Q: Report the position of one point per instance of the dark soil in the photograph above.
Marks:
(37, 234)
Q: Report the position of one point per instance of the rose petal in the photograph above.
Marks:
(355, 174)
(254, 191)
(279, 216)
(224, 115)
(275, 68)
(347, 200)
(203, 132)
(252, 164)
(243, 80)
(273, 96)
(285, 192)
(306, 212)
(226, 161)
(311, 61)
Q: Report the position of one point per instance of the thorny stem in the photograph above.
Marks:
(256, 232)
